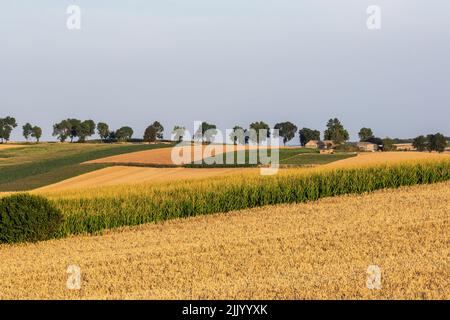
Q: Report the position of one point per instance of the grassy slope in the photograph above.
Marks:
(294, 157)
(39, 165)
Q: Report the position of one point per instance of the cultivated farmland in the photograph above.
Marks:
(315, 250)
(116, 175)
(91, 210)
(163, 157)
(128, 175)
(375, 158)
(122, 226)
(10, 146)
(33, 166)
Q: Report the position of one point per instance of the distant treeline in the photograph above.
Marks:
(77, 130)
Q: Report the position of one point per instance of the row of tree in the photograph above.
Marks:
(77, 129)
(32, 131)
(287, 130)
(432, 142)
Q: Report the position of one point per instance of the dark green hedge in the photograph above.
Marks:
(25, 217)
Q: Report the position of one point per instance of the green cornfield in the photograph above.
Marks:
(91, 211)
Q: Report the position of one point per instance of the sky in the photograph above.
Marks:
(227, 62)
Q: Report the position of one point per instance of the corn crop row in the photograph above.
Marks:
(90, 215)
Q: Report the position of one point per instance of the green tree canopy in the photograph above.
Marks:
(85, 129)
(436, 142)
(6, 127)
(124, 134)
(153, 132)
(307, 135)
(286, 130)
(335, 131)
(259, 131)
(420, 143)
(365, 134)
(62, 130)
(74, 128)
(150, 134)
(27, 130)
(36, 132)
(103, 130)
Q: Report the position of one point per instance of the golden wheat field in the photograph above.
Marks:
(122, 175)
(315, 250)
(376, 158)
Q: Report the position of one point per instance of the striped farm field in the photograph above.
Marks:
(164, 156)
(315, 250)
(127, 175)
(117, 175)
(33, 166)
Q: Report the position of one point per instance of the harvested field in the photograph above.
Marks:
(164, 156)
(316, 250)
(4, 146)
(120, 175)
(375, 158)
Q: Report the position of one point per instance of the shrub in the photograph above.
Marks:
(25, 217)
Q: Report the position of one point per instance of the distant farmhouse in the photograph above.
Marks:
(314, 144)
(318, 144)
(367, 146)
(405, 147)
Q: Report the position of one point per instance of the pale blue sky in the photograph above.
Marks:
(228, 62)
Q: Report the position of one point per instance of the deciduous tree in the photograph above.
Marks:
(307, 135)
(27, 130)
(436, 142)
(36, 132)
(286, 130)
(365, 134)
(103, 130)
(335, 131)
(259, 131)
(153, 132)
(7, 125)
(420, 143)
(124, 134)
